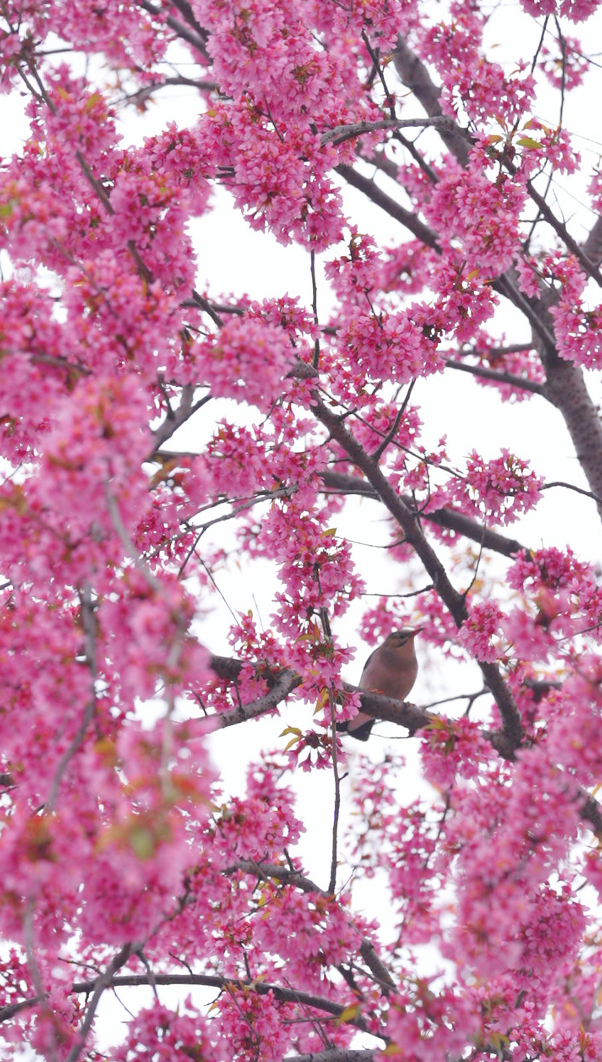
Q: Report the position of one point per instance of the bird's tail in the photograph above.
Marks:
(362, 732)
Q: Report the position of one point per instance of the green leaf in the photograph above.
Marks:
(528, 142)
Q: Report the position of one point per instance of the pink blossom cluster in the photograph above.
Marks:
(470, 81)
(477, 633)
(565, 62)
(249, 357)
(501, 489)
(577, 331)
(453, 750)
(575, 10)
(545, 146)
(482, 214)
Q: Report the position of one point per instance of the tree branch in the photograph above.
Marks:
(341, 133)
(176, 418)
(561, 230)
(565, 387)
(285, 683)
(261, 988)
(96, 989)
(592, 246)
(591, 811)
(412, 718)
(416, 77)
(498, 377)
(89, 625)
(376, 705)
(389, 205)
(178, 27)
(413, 534)
(333, 1054)
(447, 518)
(8, 1012)
(265, 871)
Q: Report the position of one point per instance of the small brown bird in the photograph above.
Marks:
(391, 669)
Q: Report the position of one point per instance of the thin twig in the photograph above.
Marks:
(337, 797)
(376, 456)
(96, 989)
(571, 486)
(203, 304)
(128, 545)
(89, 625)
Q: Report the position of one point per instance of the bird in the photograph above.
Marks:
(391, 669)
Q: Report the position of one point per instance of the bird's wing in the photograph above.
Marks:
(365, 668)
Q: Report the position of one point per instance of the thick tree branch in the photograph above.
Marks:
(285, 683)
(343, 133)
(333, 1054)
(387, 709)
(265, 871)
(565, 387)
(505, 285)
(96, 987)
(188, 15)
(448, 518)
(389, 205)
(176, 418)
(147, 91)
(261, 988)
(416, 77)
(340, 483)
(413, 534)
(497, 377)
(182, 31)
(591, 811)
(592, 246)
(8, 1012)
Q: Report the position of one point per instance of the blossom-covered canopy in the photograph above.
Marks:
(125, 860)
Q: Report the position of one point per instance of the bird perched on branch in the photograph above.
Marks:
(391, 669)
